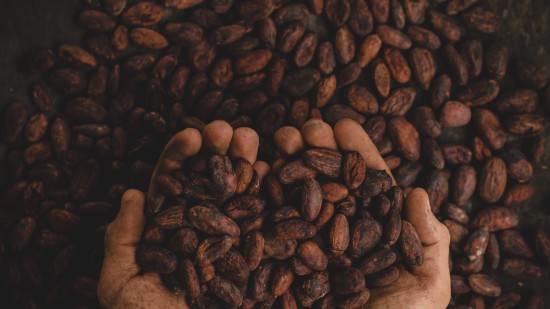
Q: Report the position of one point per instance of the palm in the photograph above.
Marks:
(429, 283)
(398, 293)
(121, 284)
(147, 291)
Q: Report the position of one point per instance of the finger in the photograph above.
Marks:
(317, 133)
(288, 140)
(121, 239)
(261, 168)
(419, 214)
(217, 136)
(350, 136)
(244, 145)
(183, 145)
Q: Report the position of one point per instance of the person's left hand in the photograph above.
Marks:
(121, 283)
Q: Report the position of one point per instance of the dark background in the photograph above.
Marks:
(25, 25)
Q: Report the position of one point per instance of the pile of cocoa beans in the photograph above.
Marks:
(327, 229)
(446, 103)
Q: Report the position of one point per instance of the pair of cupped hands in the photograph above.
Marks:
(123, 285)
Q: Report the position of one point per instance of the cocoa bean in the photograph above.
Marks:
(521, 269)
(423, 66)
(456, 154)
(305, 50)
(405, 137)
(212, 222)
(529, 74)
(398, 14)
(495, 219)
(455, 114)
(459, 285)
(464, 184)
(525, 124)
(156, 259)
(325, 161)
(399, 68)
(225, 290)
(490, 128)
(211, 249)
(337, 12)
(481, 19)
(457, 6)
(437, 187)
(393, 37)
(326, 59)
(144, 14)
(492, 180)
(312, 256)
(344, 45)
(360, 19)
(289, 13)
(444, 25)
(484, 285)
(512, 243)
(399, 102)
(423, 118)
(473, 52)
(476, 244)
(282, 279)
(339, 234)
(355, 301)
(410, 245)
(383, 278)
(347, 281)
(361, 99)
(496, 60)
(424, 37)
(253, 249)
(380, 10)
(458, 64)
(368, 50)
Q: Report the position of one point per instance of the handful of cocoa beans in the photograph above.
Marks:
(322, 229)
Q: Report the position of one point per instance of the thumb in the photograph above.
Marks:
(419, 214)
(122, 237)
(432, 233)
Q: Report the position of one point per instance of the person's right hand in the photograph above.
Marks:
(425, 286)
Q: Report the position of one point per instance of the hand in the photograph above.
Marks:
(424, 286)
(121, 284)
(427, 285)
